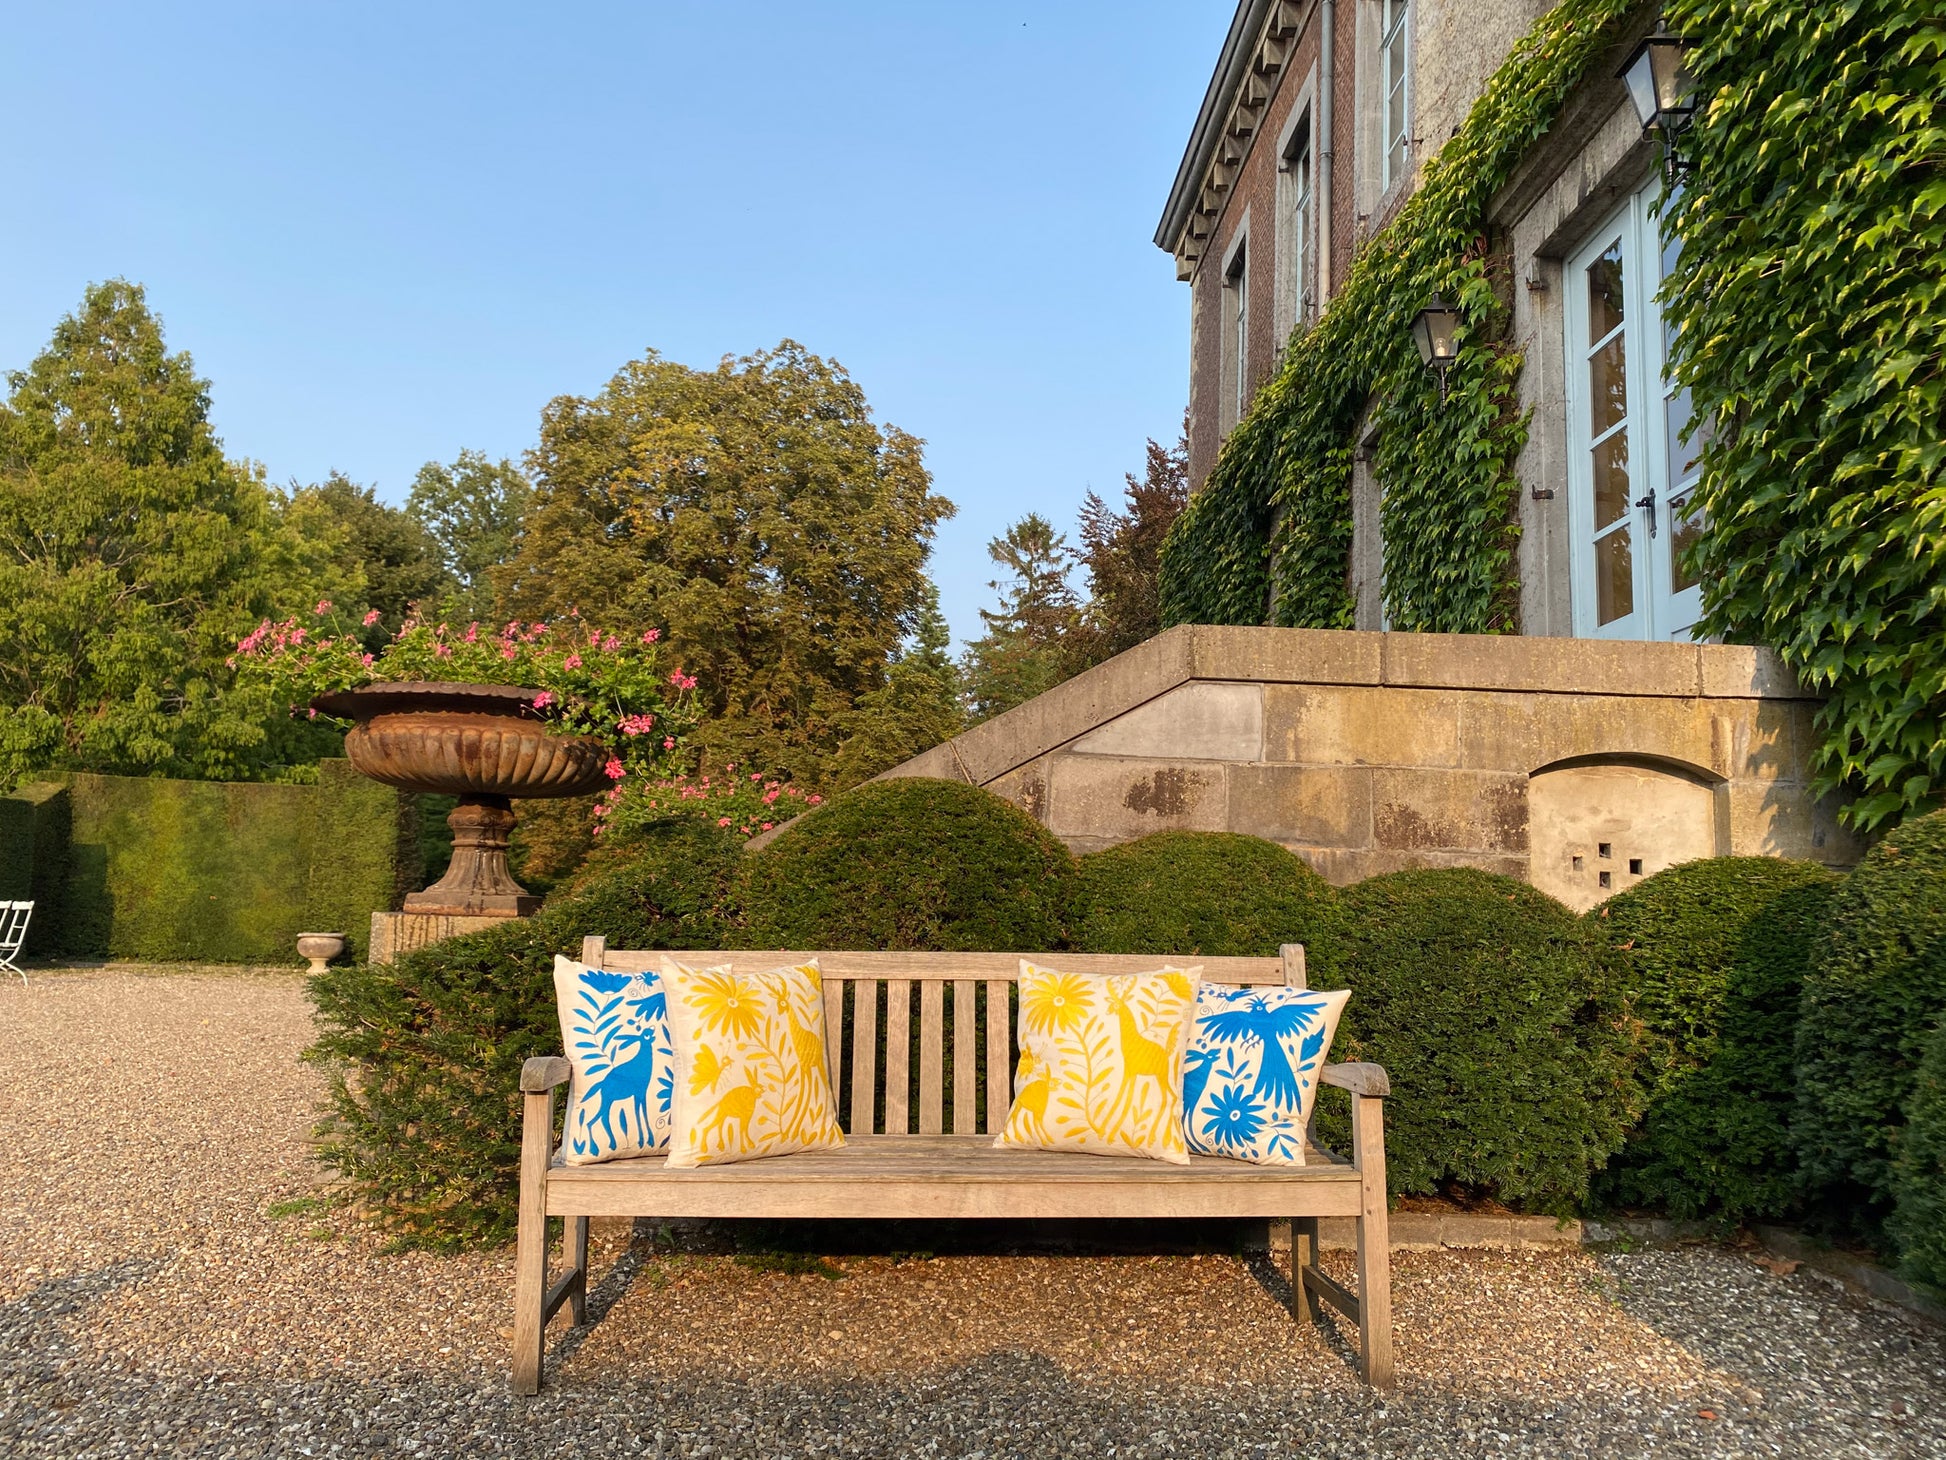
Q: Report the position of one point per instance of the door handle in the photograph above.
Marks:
(1648, 504)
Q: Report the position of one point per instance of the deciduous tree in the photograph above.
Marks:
(756, 513)
(388, 558)
(132, 555)
(473, 510)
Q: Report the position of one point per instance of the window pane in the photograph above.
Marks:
(1685, 457)
(1607, 385)
(1605, 292)
(1614, 577)
(1685, 527)
(1395, 112)
(1610, 460)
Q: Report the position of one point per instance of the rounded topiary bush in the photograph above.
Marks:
(1208, 892)
(1918, 1222)
(1713, 954)
(912, 865)
(1874, 994)
(1499, 1019)
(425, 1053)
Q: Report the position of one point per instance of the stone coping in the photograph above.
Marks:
(1504, 663)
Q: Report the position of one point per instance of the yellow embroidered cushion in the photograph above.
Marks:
(750, 1076)
(1101, 1063)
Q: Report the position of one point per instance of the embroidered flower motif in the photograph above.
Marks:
(1058, 1004)
(727, 1005)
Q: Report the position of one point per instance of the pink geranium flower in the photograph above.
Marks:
(573, 661)
(324, 607)
(651, 636)
(722, 821)
(543, 699)
(615, 770)
(371, 618)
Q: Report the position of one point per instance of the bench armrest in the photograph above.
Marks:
(1359, 1079)
(540, 1075)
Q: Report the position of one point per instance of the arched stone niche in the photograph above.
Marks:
(1598, 825)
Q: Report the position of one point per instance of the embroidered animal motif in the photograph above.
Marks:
(735, 1108)
(1142, 1059)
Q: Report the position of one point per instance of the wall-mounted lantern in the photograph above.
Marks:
(1434, 330)
(1658, 80)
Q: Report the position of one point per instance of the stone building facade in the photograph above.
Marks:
(1581, 768)
(1316, 126)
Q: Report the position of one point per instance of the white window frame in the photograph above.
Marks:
(1394, 24)
(1299, 159)
(1235, 325)
(1660, 612)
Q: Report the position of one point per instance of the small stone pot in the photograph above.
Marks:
(321, 948)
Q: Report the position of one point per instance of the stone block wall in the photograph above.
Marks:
(1581, 766)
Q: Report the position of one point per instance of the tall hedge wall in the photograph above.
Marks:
(207, 871)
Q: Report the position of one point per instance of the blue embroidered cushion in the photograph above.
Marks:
(615, 1028)
(1252, 1070)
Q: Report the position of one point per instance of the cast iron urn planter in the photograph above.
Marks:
(484, 743)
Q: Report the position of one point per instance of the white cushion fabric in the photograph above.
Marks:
(1251, 1073)
(615, 1029)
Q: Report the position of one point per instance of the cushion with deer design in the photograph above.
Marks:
(1251, 1074)
(615, 1029)
(750, 1077)
(1101, 1061)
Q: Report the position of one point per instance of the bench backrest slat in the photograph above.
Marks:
(868, 996)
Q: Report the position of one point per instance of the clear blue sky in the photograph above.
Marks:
(387, 232)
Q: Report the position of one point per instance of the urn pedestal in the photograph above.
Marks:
(484, 743)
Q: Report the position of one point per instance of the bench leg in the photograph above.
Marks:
(530, 1250)
(1304, 1253)
(1374, 1241)
(578, 1261)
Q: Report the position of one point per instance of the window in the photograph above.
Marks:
(1634, 457)
(1236, 332)
(1297, 163)
(1395, 81)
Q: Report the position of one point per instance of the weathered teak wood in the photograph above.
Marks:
(932, 1057)
(886, 1170)
(966, 1057)
(1000, 1038)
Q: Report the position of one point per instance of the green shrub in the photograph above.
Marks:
(1918, 1221)
(425, 1054)
(1714, 954)
(1501, 1022)
(1208, 892)
(1874, 994)
(36, 824)
(911, 864)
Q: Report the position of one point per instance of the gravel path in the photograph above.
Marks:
(169, 1285)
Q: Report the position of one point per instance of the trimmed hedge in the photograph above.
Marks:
(1875, 993)
(1714, 954)
(1918, 1221)
(425, 1054)
(913, 865)
(1210, 892)
(35, 829)
(1502, 1025)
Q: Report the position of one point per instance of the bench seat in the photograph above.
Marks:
(952, 1176)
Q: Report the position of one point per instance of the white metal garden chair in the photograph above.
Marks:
(13, 932)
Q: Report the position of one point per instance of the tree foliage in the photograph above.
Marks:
(386, 558)
(916, 708)
(1024, 649)
(1122, 551)
(132, 555)
(1811, 299)
(473, 510)
(759, 514)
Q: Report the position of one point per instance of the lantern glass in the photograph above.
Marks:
(1657, 76)
(1433, 331)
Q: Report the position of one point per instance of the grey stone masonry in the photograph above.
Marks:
(1580, 765)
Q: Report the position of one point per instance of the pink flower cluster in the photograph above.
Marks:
(637, 725)
(682, 681)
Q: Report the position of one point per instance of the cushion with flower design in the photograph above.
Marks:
(1101, 1062)
(750, 1075)
(1251, 1073)
(615, 1029)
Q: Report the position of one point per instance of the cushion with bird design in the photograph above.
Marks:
(615, 1029)
(1101, 1061)
(1251, 1074)
(750, 1076)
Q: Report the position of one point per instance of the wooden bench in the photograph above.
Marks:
(934, 1156)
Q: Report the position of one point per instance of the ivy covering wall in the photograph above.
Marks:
(1810, 303)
